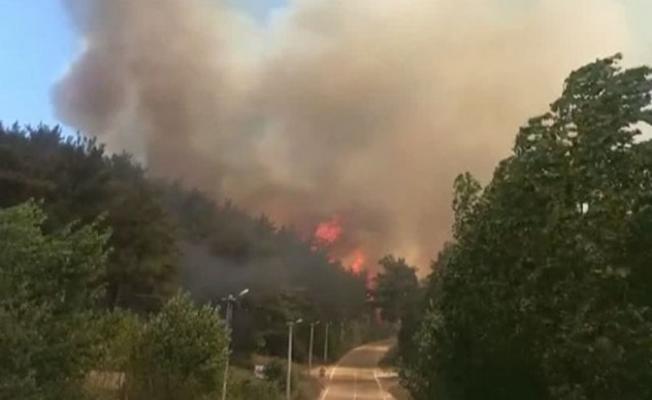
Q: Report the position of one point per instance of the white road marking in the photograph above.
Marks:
(331, 373)
(330, 376)
(324, 393)
(380, 386)
(376, 374)
(355, 386)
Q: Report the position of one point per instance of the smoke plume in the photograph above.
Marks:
(359, 111)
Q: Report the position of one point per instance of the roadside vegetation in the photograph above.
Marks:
(544, 291)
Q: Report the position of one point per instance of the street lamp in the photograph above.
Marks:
(288, 381)
(230, 300)
(310, 346)
(328, 324)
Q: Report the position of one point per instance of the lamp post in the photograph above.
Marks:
(230, 300)
(288, 380)
(310, 346)
(328, 324)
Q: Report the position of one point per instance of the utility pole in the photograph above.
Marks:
(288, 380)
(326, 343)
(230, 300)
(310, 347)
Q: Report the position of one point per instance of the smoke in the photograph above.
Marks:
(363, 111)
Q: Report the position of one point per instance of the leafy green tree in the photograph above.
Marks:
(396, 288)
(180, 354)
(398, 296)
(143, 269)
(78, 181)
(50, 285)
(120, 331)
(467, 193)
(545, 292)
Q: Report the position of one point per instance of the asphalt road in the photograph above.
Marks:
(356, 376)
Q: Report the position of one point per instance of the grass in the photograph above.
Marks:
(306, 387)
(242, 384)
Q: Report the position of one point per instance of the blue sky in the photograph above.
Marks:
(36, 45)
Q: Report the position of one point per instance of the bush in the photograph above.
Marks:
(180, 354)
(303, 385)
(244, 386)
(120, 333)
(276, 373)
(48, 291)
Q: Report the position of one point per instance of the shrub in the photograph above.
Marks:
(48, 291)
(180, 354)
(244, 386)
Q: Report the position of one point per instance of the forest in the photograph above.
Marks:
(77, 219)
(542, 291)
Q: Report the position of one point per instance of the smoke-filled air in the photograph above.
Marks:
(347, 120)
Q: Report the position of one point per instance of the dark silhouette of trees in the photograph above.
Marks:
(77, 181)
(395, 288)
(164, 236)
(545, 291)
(225, 250)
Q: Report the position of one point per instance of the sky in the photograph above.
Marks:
(37, 44)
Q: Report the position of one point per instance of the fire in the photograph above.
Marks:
(328, 235)
(328, 232)
(359, 259)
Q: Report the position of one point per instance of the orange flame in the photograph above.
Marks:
(358, 261)
(328, 232)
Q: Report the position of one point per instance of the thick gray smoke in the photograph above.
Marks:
(365, 110)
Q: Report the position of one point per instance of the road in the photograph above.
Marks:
(356, 376)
